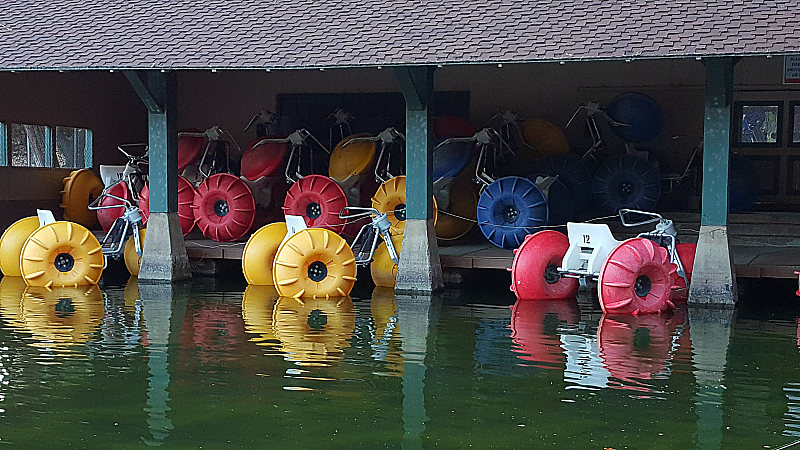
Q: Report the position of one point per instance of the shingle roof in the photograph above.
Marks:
(139, 34)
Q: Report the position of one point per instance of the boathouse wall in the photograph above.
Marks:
(105, 103)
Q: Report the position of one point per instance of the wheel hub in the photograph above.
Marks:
(551, 275)
(400, 211)
(642, 286)
(313, 210)
(317, 271)
(64, 262)
(511, 214)
(221, 208)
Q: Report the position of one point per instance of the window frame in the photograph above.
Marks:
(794, 112)
(50, 162)
(736, 124)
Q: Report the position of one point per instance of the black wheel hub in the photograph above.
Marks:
(64, 262)
(400, 211)
(313, 210)
(551, 275)
(511, 214)
(642, 286)
(625, 189)
(221, 208)
(317, 271)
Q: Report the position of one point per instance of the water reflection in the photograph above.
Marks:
(386, 341)
(310, 332)
(57, 320)
(536, 328)
(385, 371)
(636, 349)
(314, 331)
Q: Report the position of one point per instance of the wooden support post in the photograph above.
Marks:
(419, 269)
(713, 279)
(164, 258)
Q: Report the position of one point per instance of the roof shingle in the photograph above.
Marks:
(164, 34)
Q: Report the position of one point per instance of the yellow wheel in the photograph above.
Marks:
(545, 138)
(61, 254)
(314, 262)
(61, 317)
(11, 244)
(133, 261)
(464, 194)
(314, 331)
(81, 187)
(391, 199)
(259, 253)
(257, 305)
(354, 159)
(384, 270)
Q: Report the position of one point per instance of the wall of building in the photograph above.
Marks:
(101, 101)
(105, 103)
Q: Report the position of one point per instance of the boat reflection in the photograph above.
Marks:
(535, 330)
(314, 331)
(307, 331)
(57, 319)
(258, 302)
(386, 341)
(635, 349)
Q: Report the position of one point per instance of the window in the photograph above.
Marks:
(28, 145)
(794, 123)
(757, 124)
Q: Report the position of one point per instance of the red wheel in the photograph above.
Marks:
(319, 200)
(449, 126)
(185, 200)
(263, 159)
(189, 148)
(107, 216)
(533, 272)
(223, 207)
(637, 278)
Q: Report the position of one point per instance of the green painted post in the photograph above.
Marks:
(716, 140)
(163, 142)
(417, 86)
(3, 144)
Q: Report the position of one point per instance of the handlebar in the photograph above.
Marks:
(653, 217)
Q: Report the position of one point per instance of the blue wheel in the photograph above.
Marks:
(640, 112)
(575, 176)
(560, 202)
(626, 181)
(510, 209)
(449, 159)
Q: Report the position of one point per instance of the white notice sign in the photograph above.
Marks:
(791, 69)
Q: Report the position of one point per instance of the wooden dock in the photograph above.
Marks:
(764, 245)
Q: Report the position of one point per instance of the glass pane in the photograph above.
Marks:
(28, 145)
(796, 125)
(759, 124)
(71, 147)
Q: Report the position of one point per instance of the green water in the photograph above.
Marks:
(211, 366)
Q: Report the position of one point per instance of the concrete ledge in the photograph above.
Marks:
(419, 269)
(164, 259)
(713, 281)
